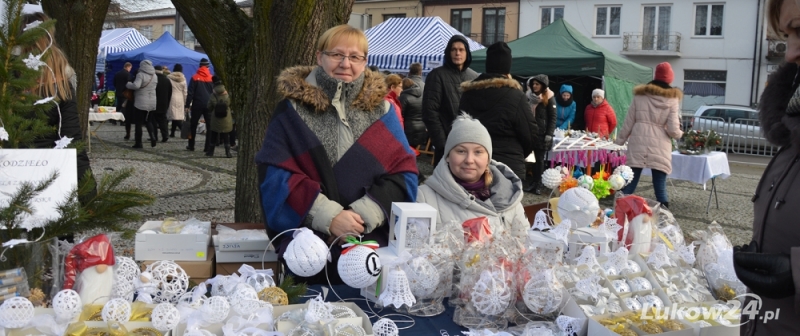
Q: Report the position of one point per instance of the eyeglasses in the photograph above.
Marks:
(355, 59)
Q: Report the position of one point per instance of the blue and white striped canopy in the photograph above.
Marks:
(118, 40)
(398, 42)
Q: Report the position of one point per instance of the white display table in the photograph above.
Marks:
(699, 169)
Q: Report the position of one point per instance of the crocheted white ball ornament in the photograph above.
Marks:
(165, 317)
(67, 305)
(586, 182)
(215, 309)
(125, 272)
(551, 178)
(306, 255)
(626, 173)
(385, 327)
(170, 279)
(16, 312)
(578, 205)
(244, 299)
(423, 277)
(359, 266)
(616, 182)
(543, 294)
(491, 295)
(116, 310)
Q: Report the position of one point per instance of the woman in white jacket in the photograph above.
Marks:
(467, 183)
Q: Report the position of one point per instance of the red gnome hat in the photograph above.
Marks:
(92, 252)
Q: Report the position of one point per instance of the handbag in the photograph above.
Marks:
(186, 127)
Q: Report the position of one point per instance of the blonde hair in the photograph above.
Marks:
(57, 60)
(487, 176)
(774, 16)
(392, 80)
(342, 33)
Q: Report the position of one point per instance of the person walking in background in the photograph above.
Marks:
(395, 85)
(411, 106)
(415, 74)
(441, 95)
(200, 89)
(175, 112)
(158, 120)
(121, 79)
(653, 118)
(599, 115)
(497, 101)
(565, 108)
(144, 87)
(221, 117)
(543, 106)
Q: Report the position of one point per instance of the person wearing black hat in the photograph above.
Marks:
(200, 89)
(543, 104)
(497, 101)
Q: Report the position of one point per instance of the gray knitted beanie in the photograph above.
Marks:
(467, 129)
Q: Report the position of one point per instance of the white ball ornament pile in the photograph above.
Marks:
(170, 279)
(306, 254)
(586, 182)
(359, 266)
(385, 327)
(551, 178)
(215, 309)
(67, 305)
(165, 317)
(116, 310)
(16, 312)
(125, 272)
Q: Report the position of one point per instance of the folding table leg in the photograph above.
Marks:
(712, 193)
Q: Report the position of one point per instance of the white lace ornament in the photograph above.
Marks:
(116, 310)
(16, 312)
(570, 325)
(340, 312)
(165, 317)
(306, 254)
(551, 178)
(385, 327)
(126, 271)
(586, 182)
(244, 299)
(542, 293)
(617, 182)
(659, 257)
(398, 290)
(170, 279)
(686, 253)
(491, 295)
(537, 331)
(610, 228)
(640, 284)
(590, 286)
(301, 330)
(223, 285)
(418, 232)
(215, 309)
(318, 310)
(67, 305)
(618, 259)
(3, 134)
(349, 329)
(626, 173)
(422, 276)
(561, 231)
(540, 221)
(359, 266)
(587, 258)
(578, 205)
(62, 143)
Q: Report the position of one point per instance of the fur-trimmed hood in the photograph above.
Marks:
(491, 82)
(177, 77)
(655, 90)
(292, 85)
(775, 124)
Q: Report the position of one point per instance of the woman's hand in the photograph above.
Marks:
(346, 222)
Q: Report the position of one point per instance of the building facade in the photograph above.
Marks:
(369, 13)
(717, 49)
(483, 21)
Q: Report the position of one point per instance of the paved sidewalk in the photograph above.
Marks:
(189, 184)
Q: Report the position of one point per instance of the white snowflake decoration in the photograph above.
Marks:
(398, 290)
(165, 317)
(659, 257)
(590, 286)
(359, 266)
(491, 295)
(318, 310)
(16, 312)
(588, 257)
(551, 178)
(63, 142)
(126, 271)
(215, 309)
(540, 221)
(34, 62)
(32, 25)
(385, 327)
(3, 134)
(570, 325)
(618, 259)
(686, 252)
(306, 254)
(610, 228)
(116, 310)
(67, 305)
(170, 279)
(43, 101)
(542, 293)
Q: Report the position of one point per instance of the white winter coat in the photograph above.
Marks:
(178, 81)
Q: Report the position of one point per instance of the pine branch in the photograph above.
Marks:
(293, 290)
(20, 204)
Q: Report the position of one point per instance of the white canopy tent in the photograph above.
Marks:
(118, 40)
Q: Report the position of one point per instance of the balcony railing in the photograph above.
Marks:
(488, 39)
(649, 44)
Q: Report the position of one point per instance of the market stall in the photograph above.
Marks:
(115, 41)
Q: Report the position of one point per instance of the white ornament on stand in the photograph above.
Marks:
(491, 295)
(116, 310)
(67, 305)
(359, 266)
(16, 312)
(385, 327)
(171, 280)
(126, 271)
(306, 254)
(215, 309)
(422, 276)
(165, 317)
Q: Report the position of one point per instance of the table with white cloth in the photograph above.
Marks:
(101, 118)
(699, 169)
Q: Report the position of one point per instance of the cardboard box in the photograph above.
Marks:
(231, 268)
(240, 245)
(194, 269)
(398, 223)
(246, 256)
(178, 247)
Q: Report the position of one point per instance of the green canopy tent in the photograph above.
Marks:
(561, 50)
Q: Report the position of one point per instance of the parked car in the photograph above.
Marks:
(738, 125)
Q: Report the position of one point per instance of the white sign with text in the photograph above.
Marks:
(18, 166)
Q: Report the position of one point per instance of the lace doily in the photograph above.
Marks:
(659, 257)
(570, 325)
(359, 266)
(165, 317)
(491, 295)
(125, 272)
(215, 309)
(67, 305)
(588, 257)
(16, 312)
(170, 279)
(349, 329)
(306, 254)
(540, 221)
(422, 276)
(551, 178)
(542, 293)
(398, 290)
(116, 310)
(385, 327)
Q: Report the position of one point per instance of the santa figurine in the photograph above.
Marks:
(87, 270)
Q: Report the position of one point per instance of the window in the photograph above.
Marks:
(607, 20)
(494, 25)
(147, 31)
(708, 20)
(188, 36)
(655, 26)
(386, 17)
(550, 14)
(703, 87)
(461, 20)
(168, 28)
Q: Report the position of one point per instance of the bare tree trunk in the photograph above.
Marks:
(78, 27)
(248, 54)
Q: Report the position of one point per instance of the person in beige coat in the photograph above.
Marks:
(175, 112)
(653, 119)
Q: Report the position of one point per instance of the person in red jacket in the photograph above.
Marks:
(599, 115)
(395, 85)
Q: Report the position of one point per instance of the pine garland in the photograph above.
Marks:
(293, 290)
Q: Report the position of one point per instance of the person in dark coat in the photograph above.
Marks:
(497, 101)
(415, 74)
(121, 78)
(158, 120)
(770, 265)
(200, 89)
(411, 105)
(441, 95)
(543, 105)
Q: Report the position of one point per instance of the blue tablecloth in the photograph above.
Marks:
(423, 326)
